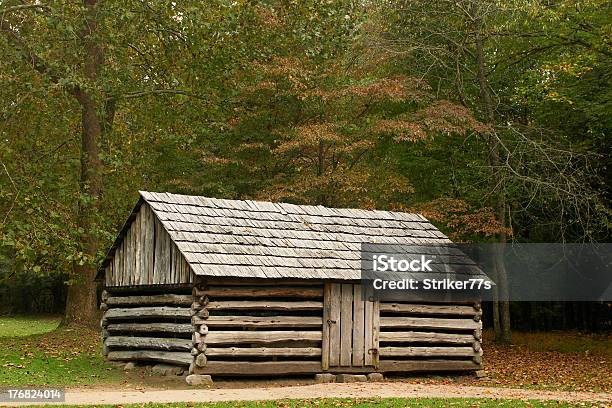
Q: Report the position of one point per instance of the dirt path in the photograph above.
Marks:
(355, 390)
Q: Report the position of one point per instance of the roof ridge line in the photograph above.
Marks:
(279, 205)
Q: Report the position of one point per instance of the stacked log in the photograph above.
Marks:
(434, 336)
(104, 322)
(199, 315)
(256, 327)
(147, 327)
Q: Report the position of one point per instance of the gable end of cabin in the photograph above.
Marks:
(144, 254)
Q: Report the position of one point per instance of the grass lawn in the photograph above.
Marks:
(555, 360)
(33, 351)
(565, 342)
(559, 361)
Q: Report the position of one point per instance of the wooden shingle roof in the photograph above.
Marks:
(243, 238)
(257, 239)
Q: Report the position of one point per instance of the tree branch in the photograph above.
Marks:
(141, 94)
(23, 7)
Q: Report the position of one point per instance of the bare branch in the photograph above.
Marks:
(23, 7)
(9, 176)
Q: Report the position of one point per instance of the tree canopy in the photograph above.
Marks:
(488, 117)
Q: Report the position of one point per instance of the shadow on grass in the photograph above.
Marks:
(20, 326)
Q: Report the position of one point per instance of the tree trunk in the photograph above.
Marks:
(495, 307)
(504, 335)
(81, 303)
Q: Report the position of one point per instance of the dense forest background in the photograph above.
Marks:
(491, 118)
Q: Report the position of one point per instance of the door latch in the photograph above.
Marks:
(330, 322)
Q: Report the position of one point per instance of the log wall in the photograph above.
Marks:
(234, 328)
(149, 327)
(263, 328)
(430, 337)
(146, 255)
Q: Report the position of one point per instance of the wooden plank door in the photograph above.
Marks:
(350, 327)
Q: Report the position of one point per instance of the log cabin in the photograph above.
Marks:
(240, 288)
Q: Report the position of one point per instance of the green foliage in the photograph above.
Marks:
(31, 291)
(167, 72)
(547, 67)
